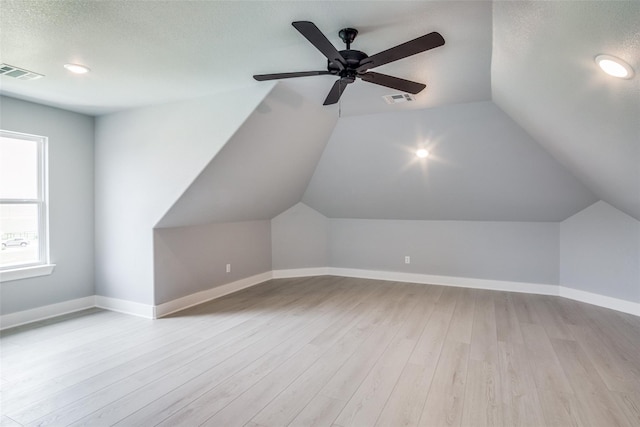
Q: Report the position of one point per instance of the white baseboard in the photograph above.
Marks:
(300, 272)
(152, 312)
(126, 307)
(462, 282)
(45, 312)
(601, 300)
(465, 282)
(210, 294)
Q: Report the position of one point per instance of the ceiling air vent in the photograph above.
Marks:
(399, 98)
(18, 73)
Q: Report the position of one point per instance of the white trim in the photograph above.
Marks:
(26, 272)
(624, 306)
(41, 201)
(463, 282)
(601, 300)
(45, 312)
(182, 303)
(126, 307)
(154, 312)
(300, 272)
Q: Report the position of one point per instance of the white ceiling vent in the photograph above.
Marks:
(399, 98)
(18, 73)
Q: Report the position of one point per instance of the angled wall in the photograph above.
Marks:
(224, 215)
(192, 259)
(593, 256)
(300, 239)
(71, 210)
(145, 159)
(600, 252)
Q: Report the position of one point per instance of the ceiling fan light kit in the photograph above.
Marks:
(350, 64)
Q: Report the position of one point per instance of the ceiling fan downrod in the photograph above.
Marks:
(348, 35)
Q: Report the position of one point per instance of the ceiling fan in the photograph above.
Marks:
(350, 64)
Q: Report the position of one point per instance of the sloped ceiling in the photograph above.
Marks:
(545, 78)
(533, 59)
(482, 167)
(263, 169)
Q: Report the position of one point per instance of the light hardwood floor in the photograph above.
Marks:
(331, 351)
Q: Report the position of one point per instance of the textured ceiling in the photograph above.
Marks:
(149, 52)
(533, 59)
(545, 78)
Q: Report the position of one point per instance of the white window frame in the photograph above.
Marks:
(43, 266)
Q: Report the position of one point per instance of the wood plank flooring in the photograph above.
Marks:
(330, 351)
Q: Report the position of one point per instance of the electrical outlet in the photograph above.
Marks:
(407, 259)
(228, 268)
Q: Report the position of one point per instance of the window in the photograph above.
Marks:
(23, 204)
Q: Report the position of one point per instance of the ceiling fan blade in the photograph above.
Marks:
(315, 36)
(262, 77)
(392, 82)
(336, 91)
(421, 44)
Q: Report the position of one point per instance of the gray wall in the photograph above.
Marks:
(512, 251)
(299, 238)
(600, 252)
(145, 160)
(193, 259)
(71, 209)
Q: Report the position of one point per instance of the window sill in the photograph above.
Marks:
(26, 272)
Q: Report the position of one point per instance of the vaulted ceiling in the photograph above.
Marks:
(543, 75)
(521, 123)
(482, 166)
(263, 169)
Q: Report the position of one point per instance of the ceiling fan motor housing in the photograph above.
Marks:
(352, 58)
(350, 64)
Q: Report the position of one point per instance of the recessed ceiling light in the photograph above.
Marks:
(422, 153)
(615, 67)
(76, 68)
